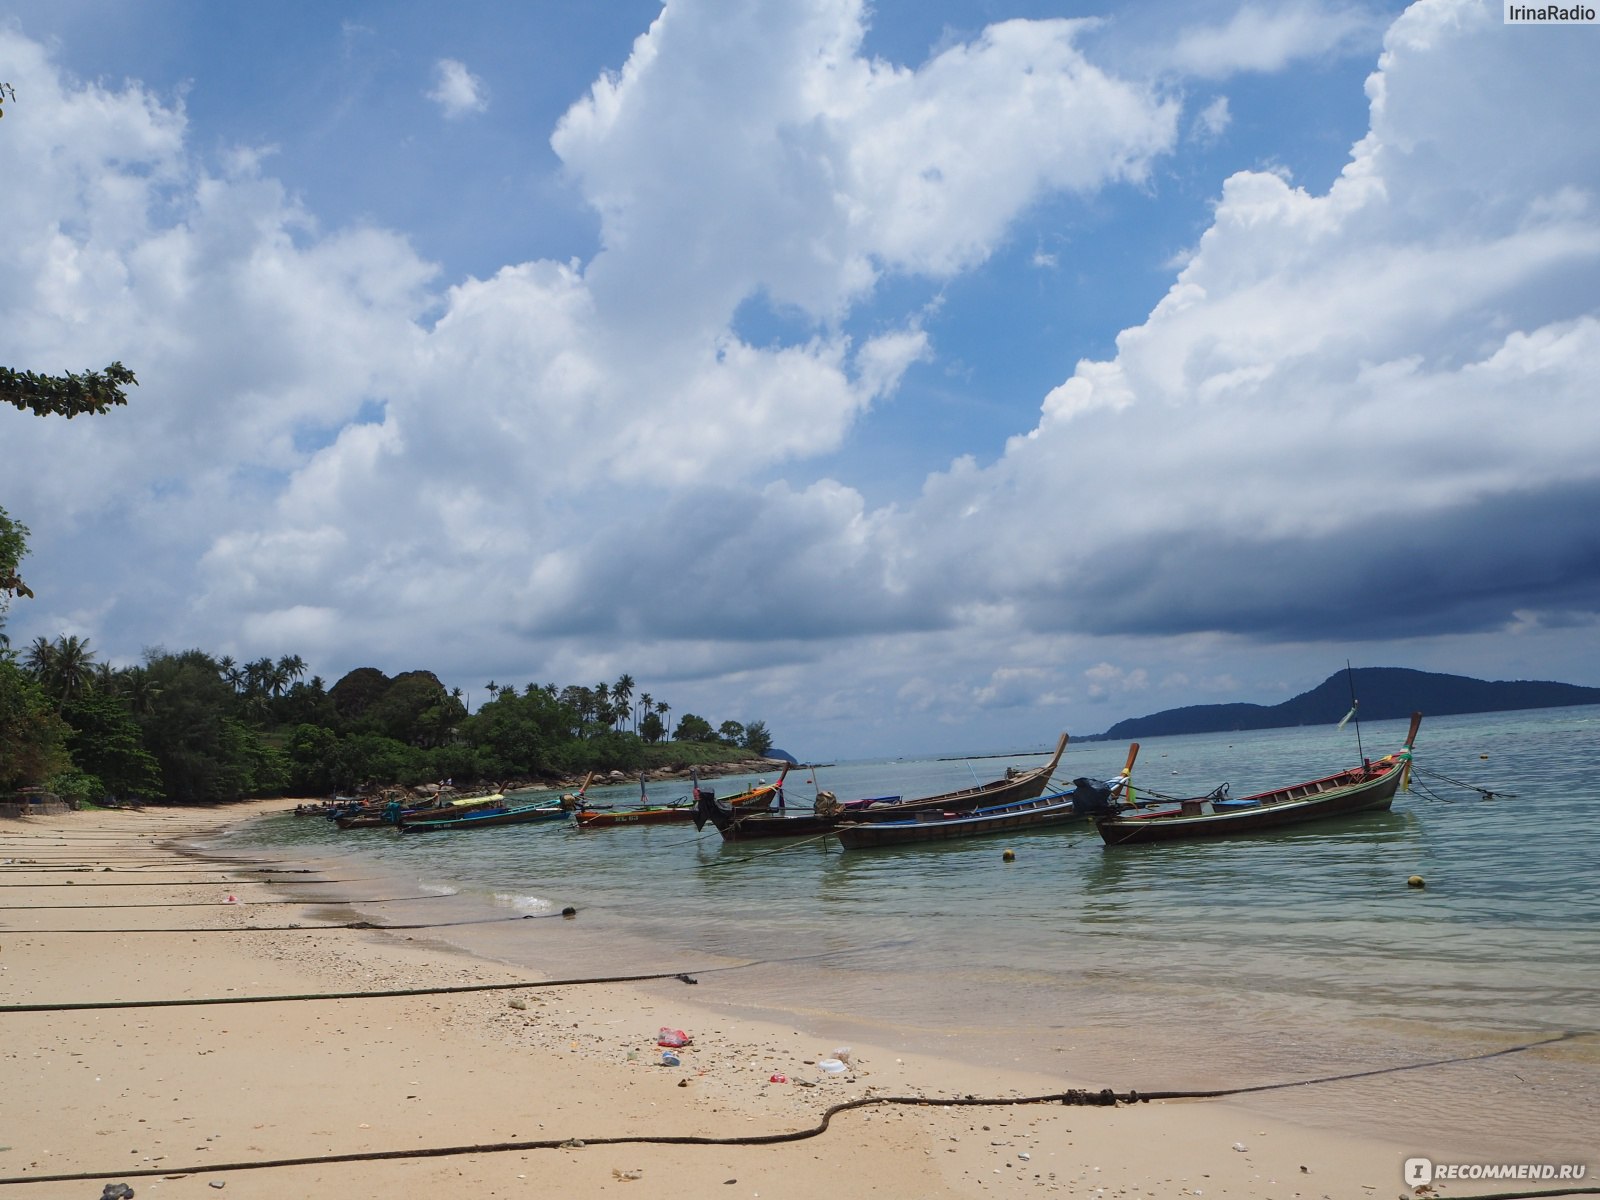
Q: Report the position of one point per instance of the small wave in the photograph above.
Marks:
(527, 904)
(439, 889)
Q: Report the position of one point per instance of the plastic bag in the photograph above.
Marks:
(672, 1037)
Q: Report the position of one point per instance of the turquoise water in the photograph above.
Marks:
(1285, 955)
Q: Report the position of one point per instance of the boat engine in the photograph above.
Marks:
(1091, 797)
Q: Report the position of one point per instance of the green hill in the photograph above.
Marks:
(1384, 692)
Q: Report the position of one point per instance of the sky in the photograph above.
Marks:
(914, 377)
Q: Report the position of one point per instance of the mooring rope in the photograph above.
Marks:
(296, 928)
(195, 883)
(1075, 1097)
(216, 903)
(1471, 787)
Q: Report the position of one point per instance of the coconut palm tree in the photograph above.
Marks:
(622, 696)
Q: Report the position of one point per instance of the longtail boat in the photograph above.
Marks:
(758, 798)
(486, 818)
(828, 812)
(373, 816)
(1370, 787)
(1036, 813)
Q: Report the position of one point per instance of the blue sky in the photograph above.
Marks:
(912, 377)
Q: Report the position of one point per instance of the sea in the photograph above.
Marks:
(1468, 1007)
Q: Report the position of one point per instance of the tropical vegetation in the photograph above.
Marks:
(192, 728)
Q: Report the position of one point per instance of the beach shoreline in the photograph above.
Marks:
(161, 1092)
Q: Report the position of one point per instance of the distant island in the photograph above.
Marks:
(1384, 692)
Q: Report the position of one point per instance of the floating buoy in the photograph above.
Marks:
(1010, 856)
(1483, 756)
(1416, 881)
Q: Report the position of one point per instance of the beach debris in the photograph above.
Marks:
(831, 1066)
(685, 978)
(669, 1059)
(1240, 1147)
(517, 1003)
(117, 1191)
(842, 1053)
(219, 1184)
(777, 1077)
(569, 912)
(683, 1083)
(673, 1037)
(627, 1176)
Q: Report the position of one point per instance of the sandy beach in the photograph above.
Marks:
(252, 1098)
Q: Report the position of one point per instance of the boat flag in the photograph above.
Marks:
(1345, 720)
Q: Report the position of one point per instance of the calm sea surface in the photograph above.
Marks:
(1280, 956)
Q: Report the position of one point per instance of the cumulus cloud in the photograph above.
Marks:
(1256, 38)
(352, 455)
(456, 90)
(1352, 414)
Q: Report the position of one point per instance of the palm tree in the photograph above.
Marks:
(65, 667)
(140, 689)
(292, 667)
(229, 670)
(40, 658)
(644, 706)
(622, 696)
(662, 709)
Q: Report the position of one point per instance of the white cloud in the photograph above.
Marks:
(566, 470)
(1265, 39)
(456, 90)
(1212, 121)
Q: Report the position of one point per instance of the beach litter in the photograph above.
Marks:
(832, 1066)
(669, 1059)
(672, 1037)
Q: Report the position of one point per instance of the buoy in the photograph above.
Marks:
(1483, 756)
(1010, 856)
(1416, 881)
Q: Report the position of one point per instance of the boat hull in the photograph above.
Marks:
(1039, 813)
(1028, 785)
(1356, 791)
(512, 816)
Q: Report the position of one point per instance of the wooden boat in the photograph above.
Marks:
(1037, 813)
(736, 826)
(758, 798)
(377, 816)
(829, 813)
(488, 817)
(1370, 787)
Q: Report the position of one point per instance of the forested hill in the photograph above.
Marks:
(1384, 693)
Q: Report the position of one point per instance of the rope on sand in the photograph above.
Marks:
(213, 903)
(1106, 1098)
(196, 883)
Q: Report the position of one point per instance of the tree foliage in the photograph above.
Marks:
(68, 395)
